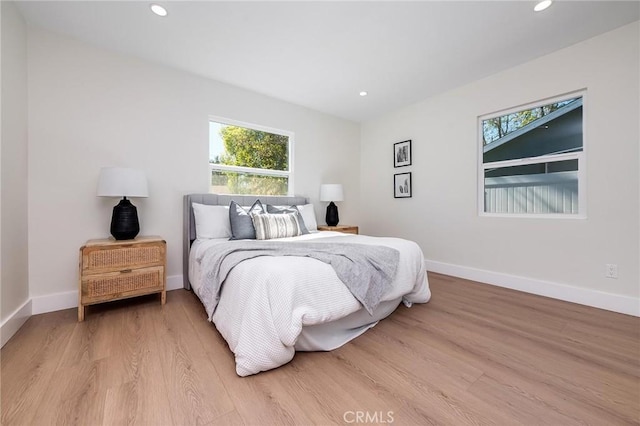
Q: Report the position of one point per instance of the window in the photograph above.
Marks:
(248, 159)
(532, 160)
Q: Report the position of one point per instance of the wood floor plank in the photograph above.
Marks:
(91, 340)
(196, 392)
(310, 374)
(506, 354)
(132, 343)
(231, 418)
(615, 347)
(449, 380)
(305, 382)
(521, 405)
(534, 367)
(475, 354)
(504, 297)
(253, 399)
(415, 391)
(28, 363)
(121, 405)
(137, 394)
(78, 398)
(524, 353)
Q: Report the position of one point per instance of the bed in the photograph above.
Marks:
(267, 307)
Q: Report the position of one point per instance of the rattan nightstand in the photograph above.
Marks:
(113, 270)
(345, 229)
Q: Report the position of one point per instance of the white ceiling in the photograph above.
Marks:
(322, 54)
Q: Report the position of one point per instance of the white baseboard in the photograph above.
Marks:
(14, 321)
(54, 302)
(597, 299)
(69, 299)
(174, 282)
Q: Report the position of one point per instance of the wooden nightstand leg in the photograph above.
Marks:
(80, 312)
(163, 297)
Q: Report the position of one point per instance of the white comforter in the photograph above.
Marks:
(266, 301)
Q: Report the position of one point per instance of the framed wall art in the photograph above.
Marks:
(402, 185)
(402, 153)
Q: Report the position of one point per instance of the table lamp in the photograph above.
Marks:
(123, 182)
(331, 192)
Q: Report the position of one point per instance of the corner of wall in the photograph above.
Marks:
(14, 285)
(12, 324)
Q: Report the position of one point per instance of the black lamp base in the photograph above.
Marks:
(124, 221)
(332, 218)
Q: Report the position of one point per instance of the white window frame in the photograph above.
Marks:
(580, 156)
(255, 171)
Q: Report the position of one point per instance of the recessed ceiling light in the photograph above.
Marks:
(158, 10)
(363, 93)
(542, 5)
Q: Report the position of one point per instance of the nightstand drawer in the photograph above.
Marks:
(122, 284)
(100, 259)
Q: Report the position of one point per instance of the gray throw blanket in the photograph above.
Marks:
(366, 270)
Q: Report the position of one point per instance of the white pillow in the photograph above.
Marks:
(309, 217)
(211, 221)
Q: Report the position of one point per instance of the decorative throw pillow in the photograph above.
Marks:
(270, 226)
(291, 209)
(241, 223)
(211, 221)
(308, 214)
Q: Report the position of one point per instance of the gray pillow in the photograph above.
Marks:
(241, 223)
(291, 209)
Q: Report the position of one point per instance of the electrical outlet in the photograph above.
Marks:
(611, 271)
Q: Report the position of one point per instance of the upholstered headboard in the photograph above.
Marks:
(189, 223)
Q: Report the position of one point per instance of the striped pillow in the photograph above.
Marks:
(269, 226)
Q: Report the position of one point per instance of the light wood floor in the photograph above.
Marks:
(475, 354)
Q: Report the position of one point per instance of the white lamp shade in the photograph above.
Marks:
(122, 182)
(331, 192)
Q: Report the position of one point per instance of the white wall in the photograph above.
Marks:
(442, 215)
(14, 286)
(90, 108)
